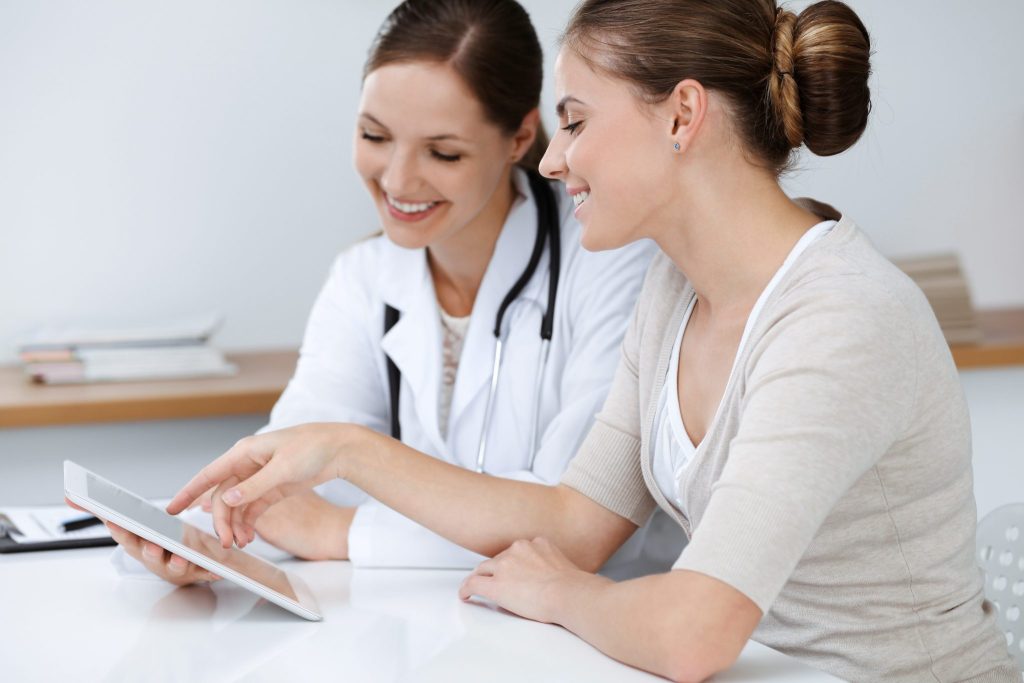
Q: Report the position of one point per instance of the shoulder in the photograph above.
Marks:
(362, 257)
(353, 281)
(845, 273)
(846, 306)
(370, 263)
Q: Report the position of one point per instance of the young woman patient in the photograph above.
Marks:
(784, 393)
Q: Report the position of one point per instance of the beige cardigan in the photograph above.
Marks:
(834, 487)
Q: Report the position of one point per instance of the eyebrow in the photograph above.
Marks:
(560, 107)
(432, 138)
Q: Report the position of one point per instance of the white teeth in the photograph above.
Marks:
(406, 207)
(580, 197)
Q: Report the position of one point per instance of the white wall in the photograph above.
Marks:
(160, 158)
(996, 400)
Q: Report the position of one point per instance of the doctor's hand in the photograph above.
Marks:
(530, 578)
(306, 525)
(262, 470)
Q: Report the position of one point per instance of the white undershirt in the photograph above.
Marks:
(454, 334)
(672, 450)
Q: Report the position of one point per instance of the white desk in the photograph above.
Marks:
(68, 616)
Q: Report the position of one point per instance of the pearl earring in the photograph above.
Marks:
(676, 146)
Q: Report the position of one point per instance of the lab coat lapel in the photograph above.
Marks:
(511, 255)
(414, 342)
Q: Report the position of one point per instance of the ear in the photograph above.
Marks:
(523, 138)
(687, 106)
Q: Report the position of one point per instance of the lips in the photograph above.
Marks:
(409, 207)
(410, 211)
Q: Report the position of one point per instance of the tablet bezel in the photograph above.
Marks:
(76, 491)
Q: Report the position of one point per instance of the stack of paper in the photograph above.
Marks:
(942, 280)
(77, 354)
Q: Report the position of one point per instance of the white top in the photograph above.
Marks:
(672, 450)
(454, 330)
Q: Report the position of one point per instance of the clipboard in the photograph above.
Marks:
(10, 545)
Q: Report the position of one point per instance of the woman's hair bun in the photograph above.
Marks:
(820, 88)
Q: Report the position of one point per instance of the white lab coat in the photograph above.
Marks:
(342, 372)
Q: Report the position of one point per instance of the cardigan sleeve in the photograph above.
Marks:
(830, 386)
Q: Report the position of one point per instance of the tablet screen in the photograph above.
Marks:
(142, 512)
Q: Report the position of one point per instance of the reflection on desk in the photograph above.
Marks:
(68, 616)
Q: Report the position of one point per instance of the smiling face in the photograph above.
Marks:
(431, 160)
(613, 152)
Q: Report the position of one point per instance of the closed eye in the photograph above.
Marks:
(571, 127)
(372, 138)
(448, 158)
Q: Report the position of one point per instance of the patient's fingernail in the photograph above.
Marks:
(232, 497)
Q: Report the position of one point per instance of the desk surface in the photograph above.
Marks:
(68, 616)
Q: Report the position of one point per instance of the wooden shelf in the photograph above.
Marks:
(261, 378)
(1002, 344)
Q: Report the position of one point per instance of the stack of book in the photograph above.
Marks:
(942, 280)
(61, 354)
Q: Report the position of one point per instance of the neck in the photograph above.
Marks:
(728, 249)
(458, 263)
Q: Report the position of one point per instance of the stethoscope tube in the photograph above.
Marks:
(547, 226)
(492, 392)
(542, 364)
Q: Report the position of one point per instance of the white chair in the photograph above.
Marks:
(1001, 558)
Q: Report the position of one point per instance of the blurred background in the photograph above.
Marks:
(159, 159)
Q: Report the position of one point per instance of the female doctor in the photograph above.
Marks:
(502, 333)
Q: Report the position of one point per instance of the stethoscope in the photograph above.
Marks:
(547, 228)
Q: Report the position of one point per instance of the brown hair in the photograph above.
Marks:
(491, 44)
(789, 79)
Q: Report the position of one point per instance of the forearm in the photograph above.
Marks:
(681, 625)
(482, 513)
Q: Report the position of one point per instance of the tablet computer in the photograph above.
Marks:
(111, 502)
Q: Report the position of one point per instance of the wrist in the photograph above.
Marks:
(338, 524)
(573, 592)
(350, 441)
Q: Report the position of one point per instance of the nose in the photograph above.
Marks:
(552, 164)
(400, 176)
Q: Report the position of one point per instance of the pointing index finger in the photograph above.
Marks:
(208, 477)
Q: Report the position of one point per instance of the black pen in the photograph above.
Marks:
(83, 523)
